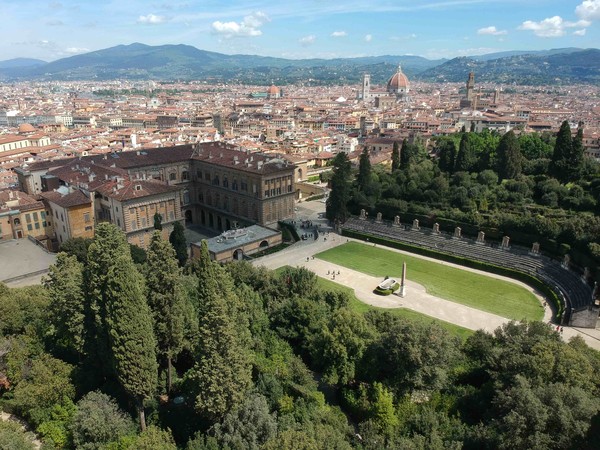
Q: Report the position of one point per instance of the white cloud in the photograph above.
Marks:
(307, 40)
(75, 50)
(249, 27)
(552, 26)
(588, 10)
(580, 32)
(368, 37)
(491, 31)
(339, 34)
(151, 19)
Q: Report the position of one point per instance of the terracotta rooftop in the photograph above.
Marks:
(128, 190)
(75, 198)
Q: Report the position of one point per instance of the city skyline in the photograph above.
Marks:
(434, 29)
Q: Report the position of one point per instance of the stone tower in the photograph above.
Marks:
(471, 87)
(366, 87)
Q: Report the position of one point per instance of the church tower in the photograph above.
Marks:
(470, 100)
(471, 87)
(366, 87)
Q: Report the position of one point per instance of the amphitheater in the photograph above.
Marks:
(571, 287)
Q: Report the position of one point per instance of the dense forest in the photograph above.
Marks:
(114, 354)
(530, 187)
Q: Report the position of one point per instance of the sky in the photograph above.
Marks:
(296, 29)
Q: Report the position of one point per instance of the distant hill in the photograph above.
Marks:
(167, 62)
(582, 66)
(21, 62)
(498, 55)
(184, 62)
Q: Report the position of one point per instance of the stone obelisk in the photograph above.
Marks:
(403, 284)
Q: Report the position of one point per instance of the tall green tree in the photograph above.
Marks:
(465, 158)
(509, 157)
(157, 221)
(165, 300)
(364, 169)
(406, 154)
(395, 157)
(109, 245)
(177, 240)
(132, 340)
(221, 375)
(563, 149)
(576, 159)
(336, 205)
(446, 151)
(67, 303)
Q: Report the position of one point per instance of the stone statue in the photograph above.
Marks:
(481, 237)
(505, 242)
(415, 225)
(363, 214)
(378, 217)
(436, 228)
(535, 248)
(397, 220)
(457, 232)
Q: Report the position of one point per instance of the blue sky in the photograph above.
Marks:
(300, 28)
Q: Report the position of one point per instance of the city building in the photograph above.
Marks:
(211, 184)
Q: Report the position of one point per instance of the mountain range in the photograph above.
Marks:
(183, 62)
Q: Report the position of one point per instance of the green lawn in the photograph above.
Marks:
(358, 306)
(461, 286)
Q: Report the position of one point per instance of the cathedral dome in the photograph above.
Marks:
(273, 90)
(398, 83)
(26, 128)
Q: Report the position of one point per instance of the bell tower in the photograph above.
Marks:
(366, 87)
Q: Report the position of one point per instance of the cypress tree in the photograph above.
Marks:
(157, 221)
(577, 155)
(222, 373)
(131, 337)
(177, 240)
(395, 157)
(465, 157)
(109, 244)
(165, 300)
(405, 154)
(509, 157)
(563, 148)
(336, 205)
(364, 169)
(67, 305)
(447, 155)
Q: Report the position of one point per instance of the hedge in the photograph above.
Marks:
(550, 294)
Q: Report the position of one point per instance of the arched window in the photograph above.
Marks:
(172, 176)
(185, 175)
(17, 221)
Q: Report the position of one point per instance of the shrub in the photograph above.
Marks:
(98, 421)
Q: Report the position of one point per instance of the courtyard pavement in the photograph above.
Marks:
(416, 299)
(22, 263)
